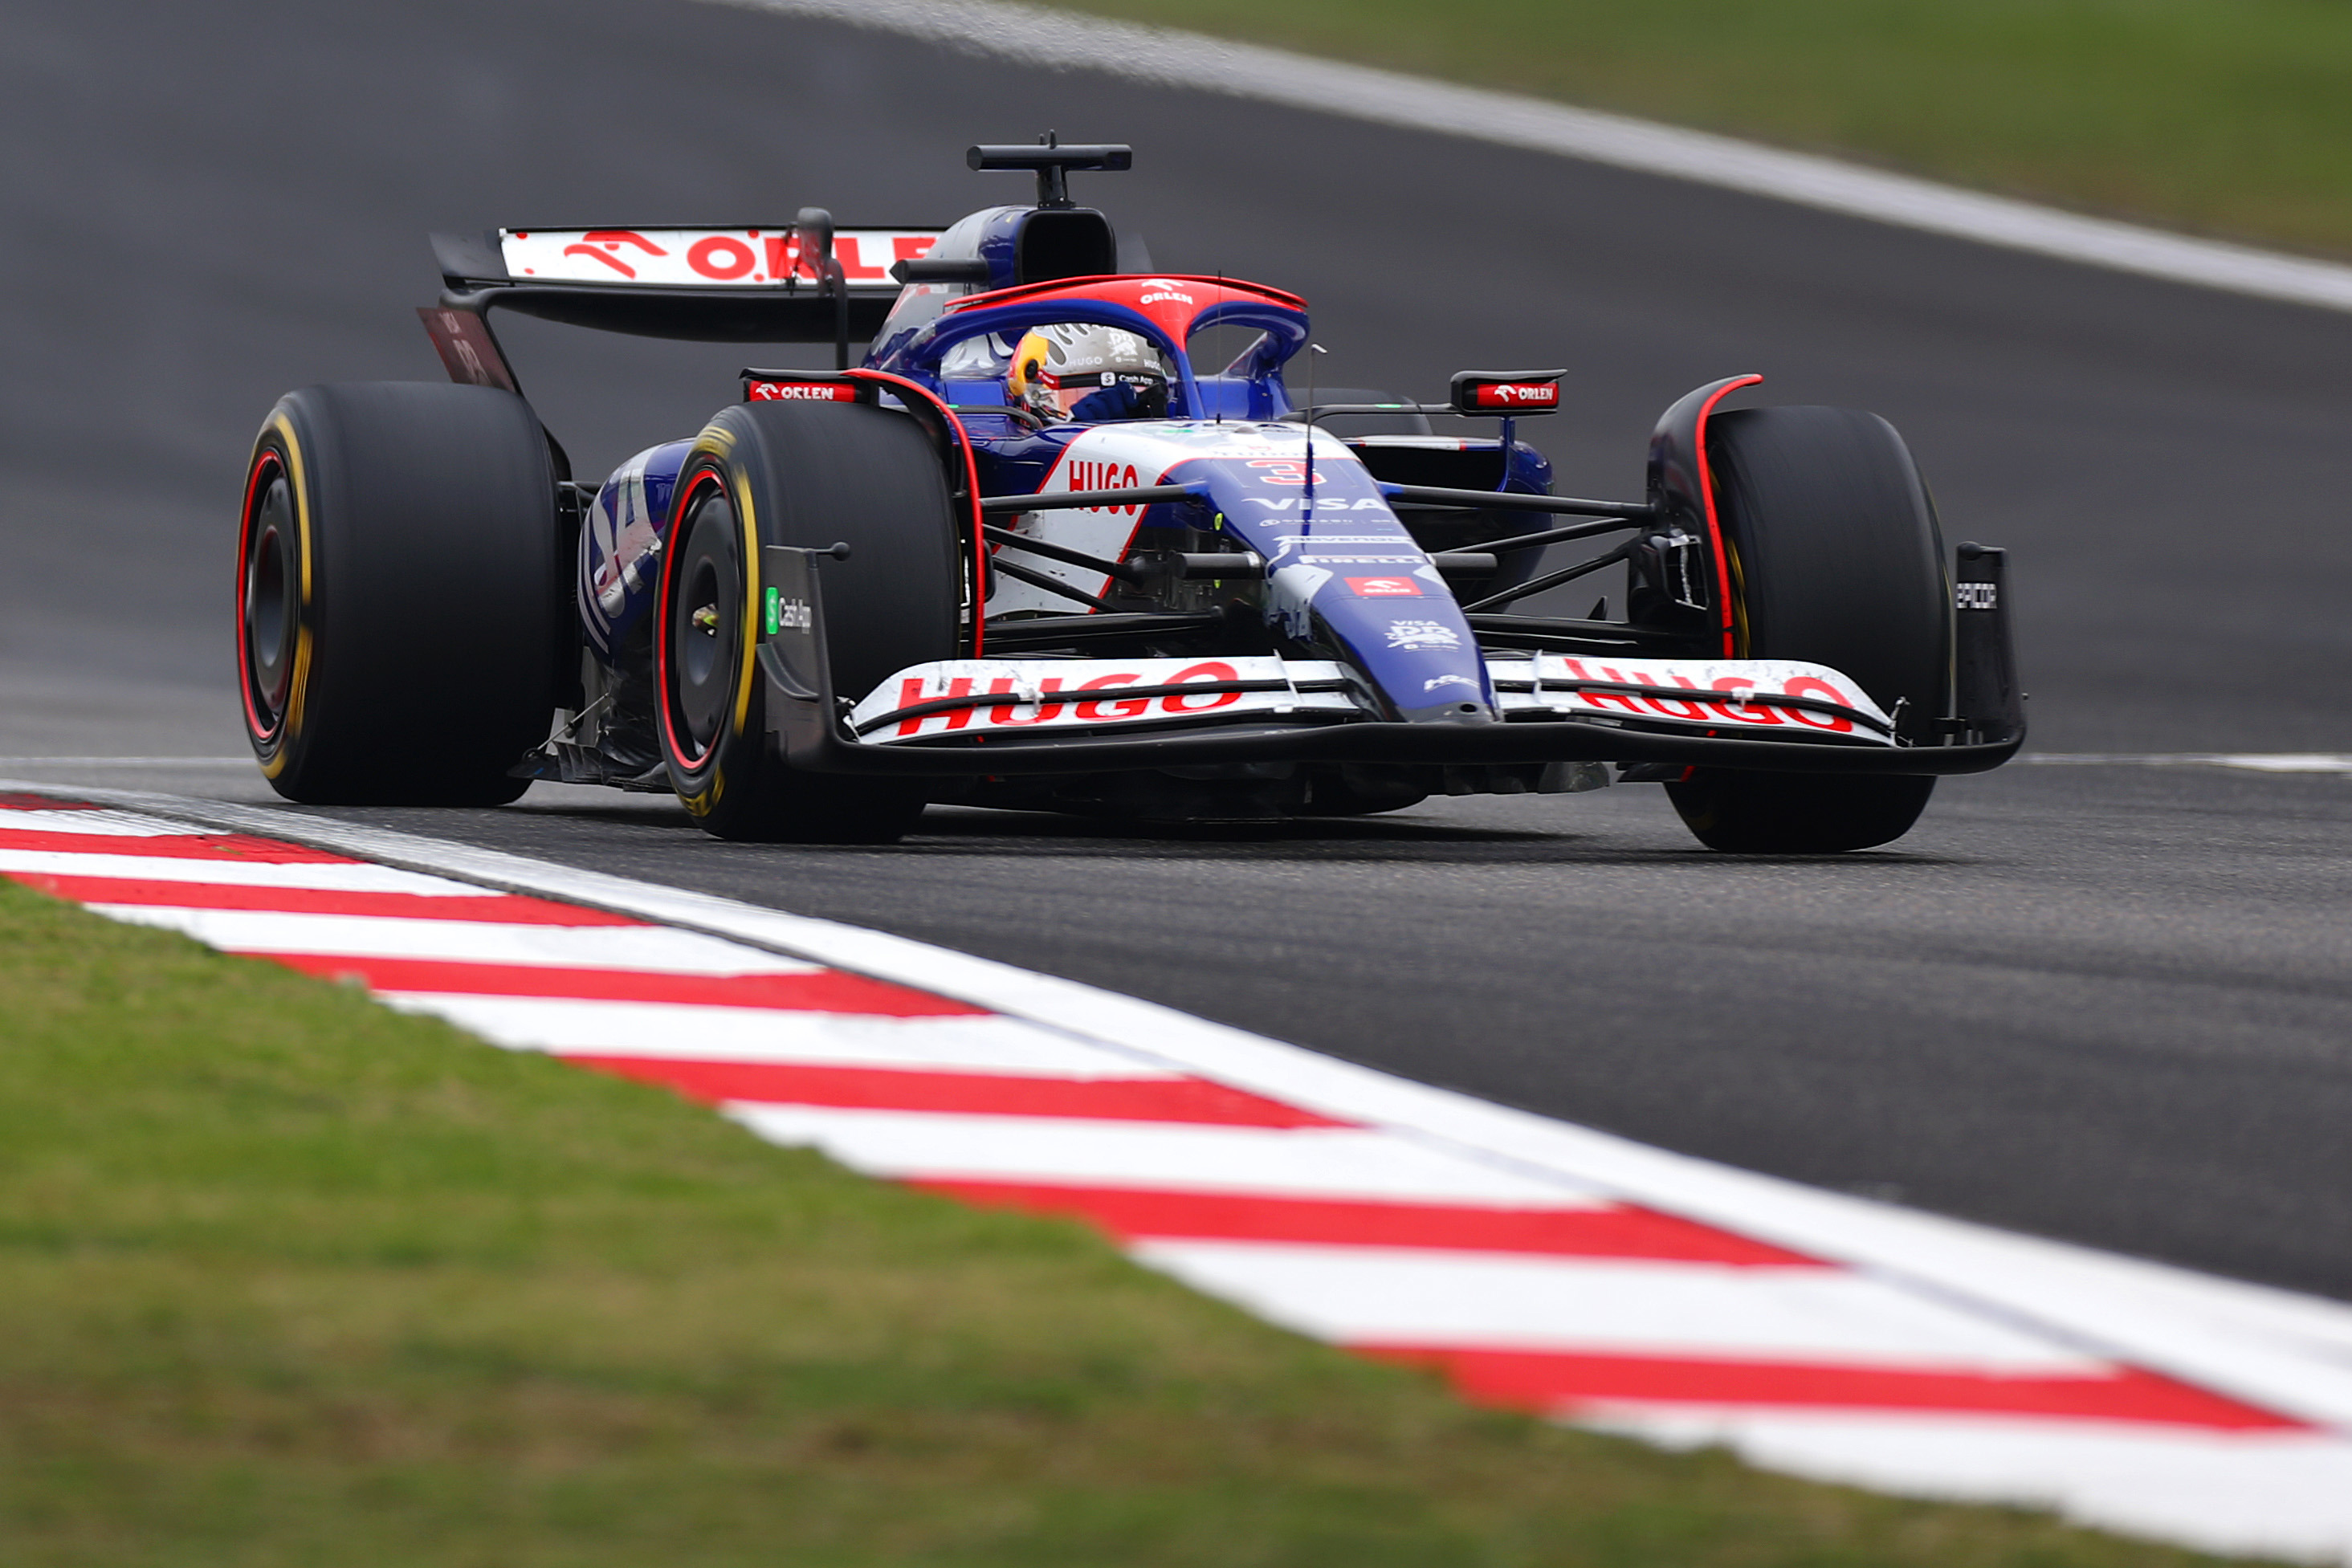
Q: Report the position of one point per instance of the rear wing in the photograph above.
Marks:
(801, 282)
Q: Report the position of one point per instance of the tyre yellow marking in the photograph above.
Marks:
(751, 596)
(1739, 601)
(297, 686)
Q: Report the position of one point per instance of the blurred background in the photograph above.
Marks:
(205, 207)
(2223, 117)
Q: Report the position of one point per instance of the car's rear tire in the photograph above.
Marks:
(396, 602)
(1835, 558)
(811, 475)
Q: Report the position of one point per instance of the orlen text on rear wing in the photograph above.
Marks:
(800, 282)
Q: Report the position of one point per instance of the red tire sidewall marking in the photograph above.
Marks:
(1714, 524)
(705, 477)
(265, 461)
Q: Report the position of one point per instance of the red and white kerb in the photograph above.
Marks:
(1522, 1287)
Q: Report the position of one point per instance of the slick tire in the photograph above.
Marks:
(1835, 558)
(397, 558)
(811, 475)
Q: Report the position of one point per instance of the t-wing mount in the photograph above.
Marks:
(1051, 162)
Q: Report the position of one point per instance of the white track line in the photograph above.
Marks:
(1378, 1294)
(2147, 1481)
(987, 1044)
(2251, 761)
(1308, 1162)
(93, 824)
(312, 876)
(639, 948)
(2130, 1450)
(1166, 58)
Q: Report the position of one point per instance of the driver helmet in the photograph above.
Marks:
(1071, 370)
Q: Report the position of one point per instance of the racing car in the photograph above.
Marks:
(1059, 531)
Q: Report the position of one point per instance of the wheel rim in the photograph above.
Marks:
(705, 630)
(271, 611)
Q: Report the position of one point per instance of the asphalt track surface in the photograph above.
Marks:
(2107, 1004)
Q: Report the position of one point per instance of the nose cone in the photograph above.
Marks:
(1346, 576)
(1463, 711)
(1417, 655)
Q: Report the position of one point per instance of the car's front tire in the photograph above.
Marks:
(1836, 558)
(809, 474)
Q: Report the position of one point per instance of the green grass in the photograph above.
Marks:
(288, 1279)
(2232, 117)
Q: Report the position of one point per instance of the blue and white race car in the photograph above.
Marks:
(1063, 536)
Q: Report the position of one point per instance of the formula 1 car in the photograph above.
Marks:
(1031, 550)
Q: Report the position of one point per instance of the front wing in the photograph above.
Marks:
(1029, 717)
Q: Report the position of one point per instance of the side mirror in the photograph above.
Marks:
(1507, 393)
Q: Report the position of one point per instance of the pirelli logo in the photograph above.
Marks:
(1976, 596)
